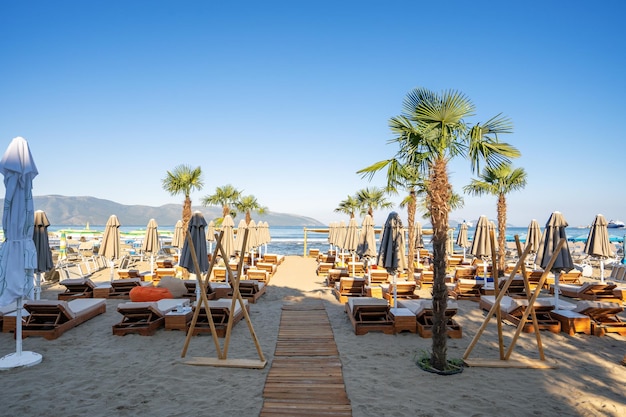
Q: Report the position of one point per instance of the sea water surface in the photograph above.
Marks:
(290, 240)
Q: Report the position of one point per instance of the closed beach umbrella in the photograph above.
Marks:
(151, 243)
(18, 255)
(461, 239)
(340, 237)
(178, 240)
(267, 238)
(351, 241)
(63, 246)
(367, 239)
(197, 232)
(253, 239)
(228, 237)
(241, 227)
(42, 246)
(110, 246)
(598, 244)
(481, 244)
(553, 233)
(391, 254)
(210, 234)
(533, 235)
(419, 236)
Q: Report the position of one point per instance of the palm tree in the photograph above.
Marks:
(372, 198)
(248, 204)
(431, 131)
(348, 206)
(405, 177)
(226, 196)
(498, 181)
(182, 180)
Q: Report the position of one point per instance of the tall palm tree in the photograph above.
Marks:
(430, 131)
(348, 206)
(498, 181)
(248, 204)
(226, 196)
(182, 180)
(372, 198)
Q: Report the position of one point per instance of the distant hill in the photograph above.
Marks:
(78, 211)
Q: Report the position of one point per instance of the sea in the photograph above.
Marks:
(290, 240)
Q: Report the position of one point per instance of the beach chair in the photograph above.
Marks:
(405, 290)
(51, 318)
(355, 269)
(145, 318)
(423, 310)
(426, 278)
(592, 291)
(258, 275)
(219, 274)
(466, 288)
(250, 290)
(378, 276)
(273, 258)
(512, 310)
(334, 275)
(120, 288)
(324, 267)
(604, 317)
(369, 314)
(266, 266)
(220, 311)
(349, 287)
(76, 288)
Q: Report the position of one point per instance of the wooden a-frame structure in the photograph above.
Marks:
(222, 352)
(504, 360)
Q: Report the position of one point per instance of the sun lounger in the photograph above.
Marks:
(324, 267)
(426, 278)
(369, 314)
(423, 310)
(592, 291)
(604, 317)
(273, 258)
(258, 275)
(144, 318)
(220, 311)
(5, 311)
(77, 288)
(120, 288)
(335, 274)
(349, 287)
(466, 288)
(51, 318)
(512, 310)
(251, 290)
(379, 276)
(211, 292)
(405, 290)
(266, 266)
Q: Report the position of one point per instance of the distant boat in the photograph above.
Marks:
(615, 224)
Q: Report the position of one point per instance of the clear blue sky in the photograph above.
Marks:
(286, 100)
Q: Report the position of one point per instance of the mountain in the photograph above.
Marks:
(78, 211)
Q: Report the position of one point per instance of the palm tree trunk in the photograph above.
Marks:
(501, 232)
(439, 193)
(186, 214)
(411, 221)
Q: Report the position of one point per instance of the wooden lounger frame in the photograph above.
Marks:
(51, 321)
(369, 318)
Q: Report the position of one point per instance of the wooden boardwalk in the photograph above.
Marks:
(305, 378)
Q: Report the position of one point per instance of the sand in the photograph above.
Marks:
(89, 371)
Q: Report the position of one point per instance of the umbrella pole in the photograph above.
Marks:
(395, 293)
(602, 271)
(38, 287)
(151, 264)
(556, 290)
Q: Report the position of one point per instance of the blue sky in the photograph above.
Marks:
(286, 100)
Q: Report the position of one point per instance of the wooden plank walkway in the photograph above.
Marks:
(305, 378)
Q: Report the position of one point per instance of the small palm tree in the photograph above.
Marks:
(348, 206)
(498, 181)
(248, 204)
(182, 180)
(226, 196)
(372, 198)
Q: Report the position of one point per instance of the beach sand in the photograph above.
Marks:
(89, 371)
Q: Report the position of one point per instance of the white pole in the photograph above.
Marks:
(602, 271)
(395, 293)
(556, 290)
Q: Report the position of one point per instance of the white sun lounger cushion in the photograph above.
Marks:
(366, 301)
